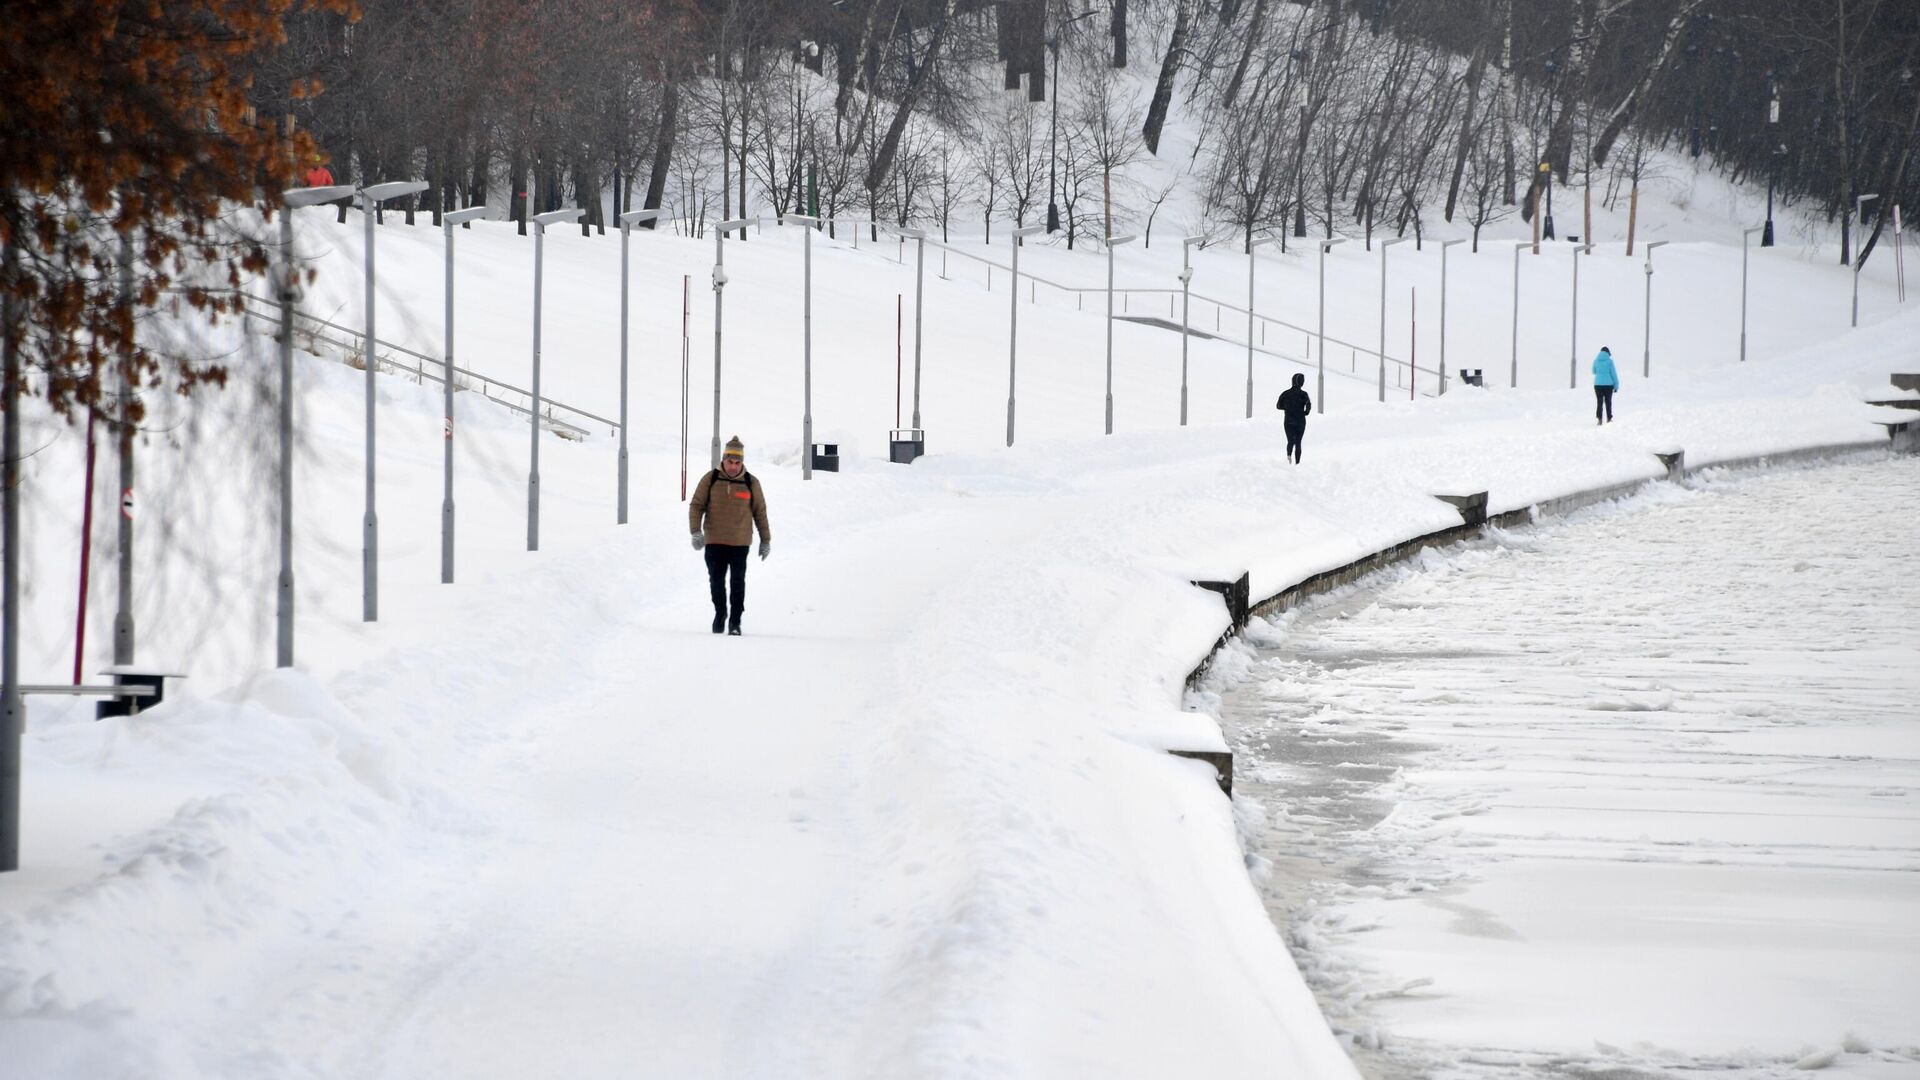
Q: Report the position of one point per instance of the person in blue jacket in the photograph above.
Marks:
(1605, 381)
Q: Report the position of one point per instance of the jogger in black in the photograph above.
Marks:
(1296, 405)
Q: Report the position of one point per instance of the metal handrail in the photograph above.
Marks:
(1222, 305)
(266, 309)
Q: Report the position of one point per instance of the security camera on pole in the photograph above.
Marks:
(540, 223)
(720, 232)
(1646, 343)
(1186, 296)
(448, 221)
(627, 221)
(370, 199)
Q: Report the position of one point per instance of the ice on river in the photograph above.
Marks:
(1632, 791)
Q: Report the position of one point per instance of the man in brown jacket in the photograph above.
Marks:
(731, 502)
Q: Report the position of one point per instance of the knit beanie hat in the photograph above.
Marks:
(735, 449)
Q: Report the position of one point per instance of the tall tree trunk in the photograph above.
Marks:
(1570, 88)
(1476, 70)
(845, 72)
(1508, 106)
(663, 146)
(890, 144)
(482, 165)
(1256, 23)
(1897, 179)
(1119, 33)
(1623, 111)
(436, 180)
(517, 175)
(1843, 135)
(1169, 71)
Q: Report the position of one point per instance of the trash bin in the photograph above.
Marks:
(826, 457)
(905, 444)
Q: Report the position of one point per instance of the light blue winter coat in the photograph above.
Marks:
(1603, 373)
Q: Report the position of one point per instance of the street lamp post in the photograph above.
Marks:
(1859, 222)
(1186, 297)
(1254, 244)
(720, 232)
(1513, 375)
(1773, 170)
(807, 224)
(540, 223)
(448, 221)
(1646, 322)
(370, 199)
(919, 238)
(1320, 380)
(627, 221)
(1573, 335)
(1114, 242)
(287, 285)
(1444, 245)
(1746, 235)
(1013, 321)
(1384, 245)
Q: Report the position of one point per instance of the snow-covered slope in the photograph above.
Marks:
(916, 822)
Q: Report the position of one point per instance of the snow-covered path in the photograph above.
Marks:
(1635, 789)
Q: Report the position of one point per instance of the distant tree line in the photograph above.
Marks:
(140, 118)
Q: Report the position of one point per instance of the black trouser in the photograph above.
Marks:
(724, 560)
(1296, 430)
(1603, 402)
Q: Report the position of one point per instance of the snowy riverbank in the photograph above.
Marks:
(916, 822)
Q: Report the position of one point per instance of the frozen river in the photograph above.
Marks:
(1634, 793)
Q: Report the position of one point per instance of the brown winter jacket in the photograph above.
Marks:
(731, 507)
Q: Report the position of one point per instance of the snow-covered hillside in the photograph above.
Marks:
(917, 820)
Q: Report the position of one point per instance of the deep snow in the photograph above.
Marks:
(917, 821)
